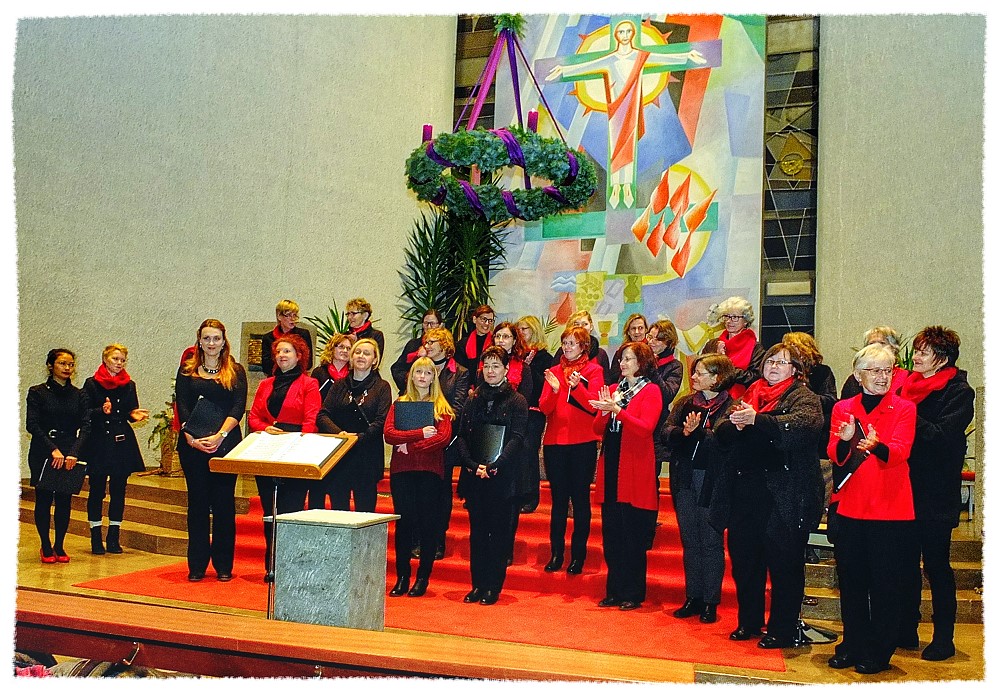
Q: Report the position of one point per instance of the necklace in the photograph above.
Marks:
(210, 371)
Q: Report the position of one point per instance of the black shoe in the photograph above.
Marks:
(709, 613)
(490, 597)
(196, 576)
(400, 588)
(841, 661)
(474, 596)
(440, 552)
(111, 543)
(772, 642)
(908, 640)
(869, 666)
(528, 508)
(419, 588)
(556, 563)
(630, 605)
(744, 633)
(575, 566)
(810, 556)
(97, 546)
(691, 607)
(609, 602)
(938, 651)
(269, 577)
(224, 576)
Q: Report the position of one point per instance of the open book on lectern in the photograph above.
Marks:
(293, 454)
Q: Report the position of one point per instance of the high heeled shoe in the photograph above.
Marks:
(556, 563)
(47, 559)
(419, 588)
(400, 588)
(61, 555)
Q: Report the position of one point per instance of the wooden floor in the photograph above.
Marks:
(804, 665)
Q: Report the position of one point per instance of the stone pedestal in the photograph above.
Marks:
(330, 568)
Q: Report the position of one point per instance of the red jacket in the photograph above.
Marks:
(635, 482)
(878, 490)
(301, 405)
(566, 422)
(422, 454)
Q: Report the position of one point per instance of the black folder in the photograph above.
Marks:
(409, 416)
(841, 473)
(205, 419)
(486, 444)
(60, 479)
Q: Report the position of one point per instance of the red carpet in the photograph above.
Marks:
(529, 598)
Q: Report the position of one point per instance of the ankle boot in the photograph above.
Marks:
(691, 607)
(111, 542)
(97, 547)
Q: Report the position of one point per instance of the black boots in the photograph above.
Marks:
(111, 542)
(691, 607)
(97, 546)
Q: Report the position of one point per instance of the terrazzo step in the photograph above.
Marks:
(136, 536)
(970, 608)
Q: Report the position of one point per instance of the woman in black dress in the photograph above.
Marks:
(356, 404)
(212, 374)
(112, 450)
(487, 483)
(58, 419)
(539, 359)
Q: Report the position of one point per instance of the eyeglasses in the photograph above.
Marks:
(702, 374)
(733, 317)
(354, 312)
(430, 342)
(776, 362)
(878, 371)
(504, 335)
(67, 364)
(430, 323)
(488, 320)
(291, 314)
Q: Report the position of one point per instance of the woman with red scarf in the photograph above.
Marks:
(287, 313)
(112, 450)
(738, 342)
(771, 499)
(472, 345)
(880, 334)
(945, 406)
(287, 401)
(569, 445)
(333, 361)
(359, 313)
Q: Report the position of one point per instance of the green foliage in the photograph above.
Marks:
(428, 267)
(327, 327)
(163, 422)
(513, 22)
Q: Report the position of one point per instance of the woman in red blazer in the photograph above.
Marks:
(629, 412)
(569, 445)
(287, 401)
(874, 518)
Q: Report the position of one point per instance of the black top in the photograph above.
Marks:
(470, 363)
(399, 369)
(503, 406)
(112, 448)
(267, 340)
(542, 360)
(698, 451)
(599, 354)
(232, 402)
(57, 416)
(822, 382)
(372, 396)
(370, 333)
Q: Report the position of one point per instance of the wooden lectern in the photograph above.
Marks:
(300, 455)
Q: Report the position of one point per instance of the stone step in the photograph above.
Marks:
(135, 535)
(826, 606)
(967, 575)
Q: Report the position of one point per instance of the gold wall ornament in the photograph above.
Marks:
(791, 164)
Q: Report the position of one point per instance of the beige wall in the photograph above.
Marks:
(170, 169)
(900, 181)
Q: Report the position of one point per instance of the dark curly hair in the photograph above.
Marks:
(944, 343)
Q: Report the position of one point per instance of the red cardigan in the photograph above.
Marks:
(423, 454)
(635, 484)
(301, 405)
(566, 423)
(878, 490)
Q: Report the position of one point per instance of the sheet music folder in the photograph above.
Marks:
(841, 473)
(409, 416)
(290, 455)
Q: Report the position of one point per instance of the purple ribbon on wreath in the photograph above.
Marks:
(510, 204)
(472, 198)
(555, 194)
(435, 157)
(572, 170)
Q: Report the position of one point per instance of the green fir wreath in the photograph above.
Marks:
(572, 175)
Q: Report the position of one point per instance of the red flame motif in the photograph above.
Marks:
(660, 196)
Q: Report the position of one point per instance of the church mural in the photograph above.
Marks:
(669, 108)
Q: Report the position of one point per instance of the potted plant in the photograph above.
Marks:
(164, 437)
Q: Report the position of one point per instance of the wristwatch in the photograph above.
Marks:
(224, 433)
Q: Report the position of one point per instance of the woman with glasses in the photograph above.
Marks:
(869, 445)
(334, 361)
(945, 407)
(738, 342)
(771, 495)
(287, 314)
(211, 374)
(58, 419)
(881, 334)
(472, 345)
(539, 359)
(414, 349)
(112, 450)
(695, 467)
(359, 314)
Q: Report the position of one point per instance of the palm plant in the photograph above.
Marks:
(426, 272)
(327, 327)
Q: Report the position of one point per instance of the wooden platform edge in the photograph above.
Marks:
(217, 644)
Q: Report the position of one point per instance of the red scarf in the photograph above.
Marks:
(335, 373)
(471, 350)
(578, 364)
(739, 347)
(764, 397)
(514, 375)
(916, 388)
(667, 359)
(361, 328)
(107, 381)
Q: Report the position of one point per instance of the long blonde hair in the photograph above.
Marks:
(227, 365)
(441, 408)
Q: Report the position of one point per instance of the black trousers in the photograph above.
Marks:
(347, 482)
(703, 548)
(212, 527)
(98, 483)
(931, 543)
(570, 471)
(291, 496)
(626, 531)
(417, 500)
(43, 516)
(535, 424)
(490, 529)
(445, 505)
(759, 544)
(871, 559)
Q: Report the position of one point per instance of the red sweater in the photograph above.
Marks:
(301, 405)
(422, 454)
(878, 490)
(566, 423)
(635, 484)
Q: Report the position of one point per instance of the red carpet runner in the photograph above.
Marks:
(535, 607)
